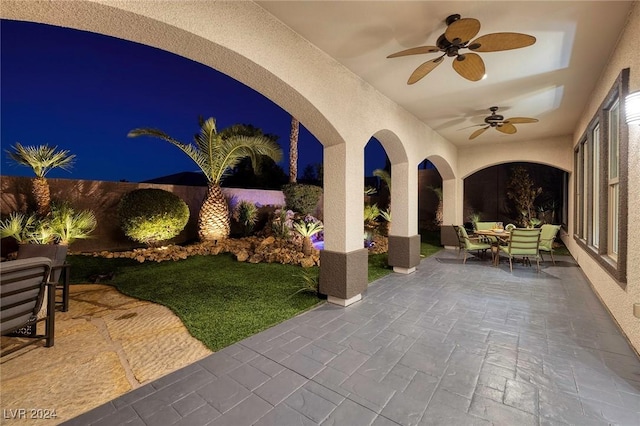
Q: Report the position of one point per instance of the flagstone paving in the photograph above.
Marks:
(451, 344)
(106, 345)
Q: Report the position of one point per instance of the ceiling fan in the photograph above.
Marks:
(457, 36)
(498, 122)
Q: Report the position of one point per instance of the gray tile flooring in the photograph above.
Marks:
(451, 344)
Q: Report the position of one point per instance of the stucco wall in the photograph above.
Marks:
(619, 301)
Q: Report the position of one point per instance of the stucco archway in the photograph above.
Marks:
(278, 64)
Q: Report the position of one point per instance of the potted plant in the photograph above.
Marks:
(49, 236)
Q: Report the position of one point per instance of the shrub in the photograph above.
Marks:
(302, 198)
(150, 216)
(282, 223)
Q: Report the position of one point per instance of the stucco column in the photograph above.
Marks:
(404, 242)
(452, 201)
(344, 260)
(452, 210)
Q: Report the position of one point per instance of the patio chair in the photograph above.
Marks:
(547, 237)
(486, 226)
(523, 242)
(59, 267)
(467, 244)
(23, 284)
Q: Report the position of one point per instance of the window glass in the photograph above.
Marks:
(614, 145)
(595, 185)
(585, 190)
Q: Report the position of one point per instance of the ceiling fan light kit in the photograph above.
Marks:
(458, 36)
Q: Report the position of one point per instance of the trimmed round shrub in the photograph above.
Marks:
(302, 198)
(150, 216)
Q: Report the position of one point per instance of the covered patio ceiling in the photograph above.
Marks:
(550, 80)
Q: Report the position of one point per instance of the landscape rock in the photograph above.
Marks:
(252, 249)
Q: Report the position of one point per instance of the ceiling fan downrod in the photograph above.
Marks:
(494, 119)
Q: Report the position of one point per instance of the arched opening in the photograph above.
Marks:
(494, 194)
(430, 198)
(376, 207)
(438, 194)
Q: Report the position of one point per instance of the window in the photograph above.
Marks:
(585, 191)
(600, 197)
(578, 215)
(595, 187)
(614, 179)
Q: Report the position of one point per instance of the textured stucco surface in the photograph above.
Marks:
(337, 265)
(619, 301)
(404, 252)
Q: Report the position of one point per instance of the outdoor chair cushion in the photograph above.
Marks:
(547, 237)
(486, 226)
(523, 242)
(469, 244)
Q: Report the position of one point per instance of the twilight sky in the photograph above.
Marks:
(83, 92)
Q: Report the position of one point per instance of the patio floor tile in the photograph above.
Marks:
(449, 344)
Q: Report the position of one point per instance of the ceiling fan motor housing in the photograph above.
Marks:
(494, 119)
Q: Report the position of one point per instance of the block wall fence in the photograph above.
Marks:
(102, 197)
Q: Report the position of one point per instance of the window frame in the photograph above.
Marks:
(594, 203)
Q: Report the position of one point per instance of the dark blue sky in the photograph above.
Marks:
(84, 92)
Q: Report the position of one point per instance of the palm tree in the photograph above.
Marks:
(439, 209)
(293, 150)
(42, 159)
(385, 176)
(216, 153)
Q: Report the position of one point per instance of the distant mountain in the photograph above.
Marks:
(182, 178)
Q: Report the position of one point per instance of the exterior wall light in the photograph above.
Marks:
(632, 107)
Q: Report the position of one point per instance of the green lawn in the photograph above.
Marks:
(220, 300)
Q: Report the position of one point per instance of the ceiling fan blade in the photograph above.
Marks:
(469, 66)
(473, 125)
(496, 42)
(463, 29)
(424, 69)
(507, 128)
(521, 120)
(415, 51)
(478, 132)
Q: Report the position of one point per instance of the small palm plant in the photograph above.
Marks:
(246, 213)
(20, 227)
(42, 159)
(307, 230)
(69, 225)
(386, 215)
(216, 154)
(63, 226)
(371, 213)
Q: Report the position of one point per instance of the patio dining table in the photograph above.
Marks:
(501, 236)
